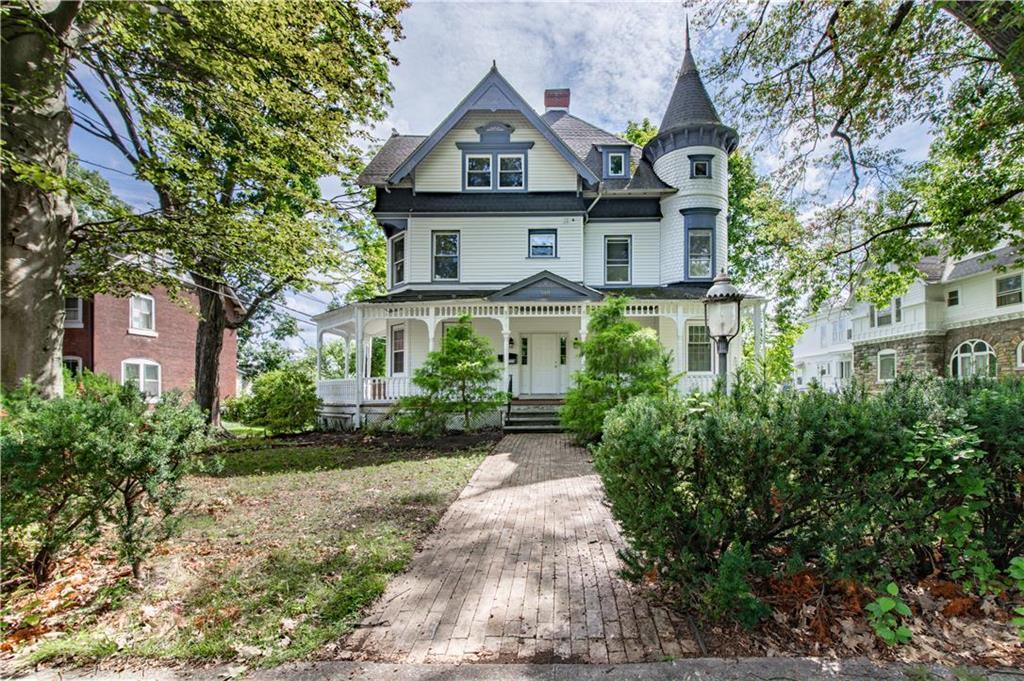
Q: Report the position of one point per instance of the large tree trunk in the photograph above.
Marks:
(36, 222)
(209, 342)
(1000, 25)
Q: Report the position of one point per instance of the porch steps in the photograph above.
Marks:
(533, 418)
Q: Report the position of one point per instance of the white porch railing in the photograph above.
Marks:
(336, 390)
(694, 382)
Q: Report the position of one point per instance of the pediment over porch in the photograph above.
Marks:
(546, 286)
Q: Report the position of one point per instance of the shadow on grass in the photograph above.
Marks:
(319, 451)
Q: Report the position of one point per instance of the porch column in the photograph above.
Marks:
(759, 330)
(359, 366)
(348, 347)
(506, 335)
(431, 332)
(583, 332)
(680, 340)
(319, 345)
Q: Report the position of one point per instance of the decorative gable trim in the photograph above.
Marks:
(546, 285)
(493, 93)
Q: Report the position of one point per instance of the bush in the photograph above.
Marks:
(96, 454)
(714, 492)
(621, 360)
(457, 380)
(282, 401)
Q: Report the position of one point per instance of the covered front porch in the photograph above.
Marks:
(535, 342)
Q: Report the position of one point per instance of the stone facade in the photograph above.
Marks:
(931, 354)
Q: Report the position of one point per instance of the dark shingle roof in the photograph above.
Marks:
(414, 296)
(404, 200)
(583, 139)
(690, 102)
(1006, 257)
(390, 156)
(669, 292)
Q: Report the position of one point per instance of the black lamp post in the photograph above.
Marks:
(722, 317)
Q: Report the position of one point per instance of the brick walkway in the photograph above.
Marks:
(522, 567)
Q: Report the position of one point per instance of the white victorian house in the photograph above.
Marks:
(525, 221)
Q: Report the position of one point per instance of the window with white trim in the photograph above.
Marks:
(143, 374)
(73, 313)
(446, 256)
(845, 369)
(398, 259)
(478, 171)
(1008, 290)
(617, 251)
(398, 350)
(698, 349)
(886, 366)
(885, 315)
(143, 313)
(511, 171)
(73, 364)
(543, 243)
(616, 164)
(1020, 355)
(973, 358)
(698, 250)
(953, 298)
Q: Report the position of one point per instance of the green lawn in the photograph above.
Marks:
(280, 551)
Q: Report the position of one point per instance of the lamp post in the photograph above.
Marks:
(722, 317)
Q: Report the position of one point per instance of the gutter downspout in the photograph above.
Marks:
(586, 217)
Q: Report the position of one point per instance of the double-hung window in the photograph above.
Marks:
(698, 349)
(953, 298)
(616, 164)
(511, 171)
(885, 316)
(144, 374)
(886, 365)
(143, 314)
(73, 364)
(478, 171)
(398, 259)
(543, 243)
(398, 350)
(72, 313)
(446, 256)
(699, 253)
(1008, 290)
(617, 259)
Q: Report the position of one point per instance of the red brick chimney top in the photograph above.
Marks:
(556, 99)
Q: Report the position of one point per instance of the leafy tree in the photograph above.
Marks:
(231, 112)
(834, 81)
(371, 261)
(621, 360)
(640, 133)
(458, 380)
(282, 401)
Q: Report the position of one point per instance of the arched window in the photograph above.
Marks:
(973, 358)
(1020, 355)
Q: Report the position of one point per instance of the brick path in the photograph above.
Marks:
(522, 567)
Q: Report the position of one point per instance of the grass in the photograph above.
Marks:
(280, 551)
(239, 430)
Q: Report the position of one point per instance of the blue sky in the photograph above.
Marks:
(619, 60)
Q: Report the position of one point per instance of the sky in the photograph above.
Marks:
(618, 59)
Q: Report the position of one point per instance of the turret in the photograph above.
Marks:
(691, 153)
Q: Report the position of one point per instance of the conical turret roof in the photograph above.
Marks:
(690, 103)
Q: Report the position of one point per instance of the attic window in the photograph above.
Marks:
(478, 171)
(616, 164)
(700, 166)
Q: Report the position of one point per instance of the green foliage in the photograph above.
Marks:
(457, 380)
(282, 401)
(849, 485)
(640, 133)
(885, 616)
(621, 360)
(98, 453)
(727, 592)
(1016, 573)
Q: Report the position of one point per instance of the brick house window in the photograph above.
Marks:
(73, 313)
(73, 364)
(1008, 290)
(973, 358)
(143, 314)
(144, 374)
(886, 366)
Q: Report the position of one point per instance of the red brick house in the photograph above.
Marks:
(148, 338)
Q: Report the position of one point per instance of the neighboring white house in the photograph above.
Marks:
(961, 318)
(824, 353)
(525, 221)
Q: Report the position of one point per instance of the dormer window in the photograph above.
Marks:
(510, 171)
(700, 166)
(615, 162)
(478, 171)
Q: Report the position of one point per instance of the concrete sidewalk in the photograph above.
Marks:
(694, 669)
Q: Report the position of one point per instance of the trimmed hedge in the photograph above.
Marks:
(714, 491)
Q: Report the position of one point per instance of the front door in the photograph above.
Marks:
(545, 368)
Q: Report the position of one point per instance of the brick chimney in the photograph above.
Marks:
(556, 99)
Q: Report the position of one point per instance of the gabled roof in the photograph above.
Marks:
(395, 150)
(690, 102)
(546, 285)
(1001, 257)
(584, 139)
(493, 93)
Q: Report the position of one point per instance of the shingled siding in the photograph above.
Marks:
(932, 354)
(547, 170)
